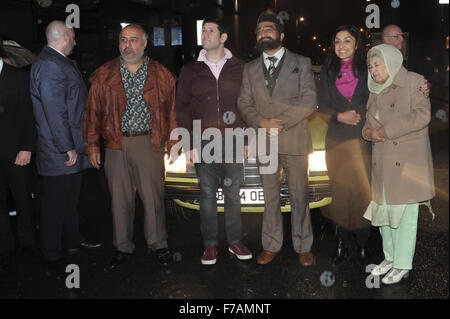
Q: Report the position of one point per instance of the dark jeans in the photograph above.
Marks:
(209, 176)
(59, 216)
(18, 179)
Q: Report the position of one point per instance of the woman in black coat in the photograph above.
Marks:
(343, 95)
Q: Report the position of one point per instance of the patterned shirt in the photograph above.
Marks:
(137, 113)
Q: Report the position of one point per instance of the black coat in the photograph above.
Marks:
(331, 101)
(347, 153)
(17, 129)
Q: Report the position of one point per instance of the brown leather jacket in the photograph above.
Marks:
(107, 102)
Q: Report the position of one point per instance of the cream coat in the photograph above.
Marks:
(403, 162)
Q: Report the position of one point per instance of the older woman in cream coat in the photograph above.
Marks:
(402, 170)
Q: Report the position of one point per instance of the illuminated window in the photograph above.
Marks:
(158, 37)
(177, 36)
(176, 32)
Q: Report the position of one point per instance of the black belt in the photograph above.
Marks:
(133, 134)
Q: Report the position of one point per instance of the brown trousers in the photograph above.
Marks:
(296, 167)
(136, 168)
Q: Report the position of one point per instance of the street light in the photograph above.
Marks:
(314, 38)
(302, 19)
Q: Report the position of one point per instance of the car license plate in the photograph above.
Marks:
(248, 196)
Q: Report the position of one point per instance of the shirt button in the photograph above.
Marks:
(374, 163)
(394, 86)
(395, 143)
(392, 105)
(397, 164)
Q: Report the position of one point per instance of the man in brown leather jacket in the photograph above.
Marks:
(131, 105)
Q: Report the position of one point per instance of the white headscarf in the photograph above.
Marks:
(393, 59)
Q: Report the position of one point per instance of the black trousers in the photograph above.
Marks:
(18, 180)
(362, 235)
(59, 225)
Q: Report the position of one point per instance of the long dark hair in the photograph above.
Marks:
(333, 63)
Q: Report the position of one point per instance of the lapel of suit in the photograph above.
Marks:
(259, 80)
(286, 70)
(337, 94)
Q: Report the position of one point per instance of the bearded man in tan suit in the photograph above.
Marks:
(278, 92)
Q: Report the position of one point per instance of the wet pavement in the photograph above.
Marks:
(284, 278)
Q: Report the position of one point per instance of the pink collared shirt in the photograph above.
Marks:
(215, 68)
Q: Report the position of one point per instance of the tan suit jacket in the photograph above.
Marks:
(403, 162)
(293, 99)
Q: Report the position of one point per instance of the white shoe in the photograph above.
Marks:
(394, 276)
(382, 268)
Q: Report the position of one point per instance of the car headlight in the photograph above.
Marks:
(179, 166)
(317, 162)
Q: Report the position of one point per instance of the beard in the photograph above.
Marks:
(135, 58)
(269, 44)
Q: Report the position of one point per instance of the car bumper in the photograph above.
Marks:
(186, 193)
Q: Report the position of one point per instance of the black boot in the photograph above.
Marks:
(341, 253)
(362, 255)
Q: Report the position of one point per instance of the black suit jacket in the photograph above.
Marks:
(17, 128)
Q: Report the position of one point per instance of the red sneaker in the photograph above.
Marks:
(240, 251)
(209, 256)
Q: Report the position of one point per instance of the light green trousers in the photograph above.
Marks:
(399, 244)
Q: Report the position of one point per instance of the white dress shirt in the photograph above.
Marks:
(278, 55)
